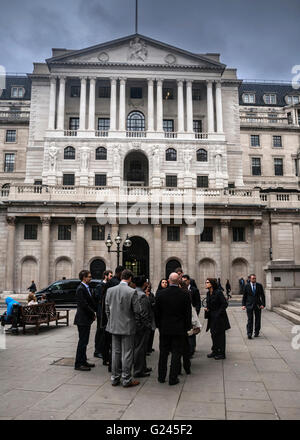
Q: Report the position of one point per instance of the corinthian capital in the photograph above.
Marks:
(11, 220)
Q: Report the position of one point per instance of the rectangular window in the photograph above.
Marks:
(30, 232)
(197, 125)
(173, 233)
(103, 124)
(296, 167)
(17, 92)
(207, 234)
(278, 167)
(251, 117)
(270, 98)
(289, 118)
(168, 125)
(104, 92)
(75, 91)
(74, 124)
(272, 117)
(69, 179)
(249, 98)
(64, 232)
(202, 181)
(277, 141)
(11, 135)
(100, 179)
(255, 140)
(136, 93)
(171, 181)
(238, 234)
(9, 163)
(98, 232)
(168, 93)
(256, 166)
(196, 94)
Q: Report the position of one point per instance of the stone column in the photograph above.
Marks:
(159, 112)
(258, 263)
(10, 254)
(274, 235)
(210, 108)
(122, 106)
(180, 111)
(92, 104)
(157, 260)
(79, 258)
(150, 105)
(52, 103)
(219, 109)
(61, 103)
(45, 245)
(82, 104)
(191, 251)
(225, 250)
(296, 234)
(189, 107)
(113, 104)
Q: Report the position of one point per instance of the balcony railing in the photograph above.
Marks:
(245, 120)
(170, 134)
(136, 134)
(101, 133)
(15, 116)
(70, 132)
(201, 135)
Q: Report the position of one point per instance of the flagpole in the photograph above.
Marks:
(136, 16)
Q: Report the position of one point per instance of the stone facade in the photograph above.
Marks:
(155, 97)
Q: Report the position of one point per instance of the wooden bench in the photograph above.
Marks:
(40, 314)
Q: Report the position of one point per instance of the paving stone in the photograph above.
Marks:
(45, 382)
(231, 415)
(151, 406)
(245, 390)
(96, 377)
(17, 401)
(240, 370)
(271, 365)
(201, 409)
(255, 406)
(288, 413)
(98, 411)
(285, 399)
(266, 352)
(280, 381)
(114, 395)
(202, 396)
(42, 415)
(291, 355)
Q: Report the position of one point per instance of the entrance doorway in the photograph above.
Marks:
(136, 258)
(136, 169)
(97, 268)
(171, 266)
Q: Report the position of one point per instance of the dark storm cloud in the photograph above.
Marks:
(258, 37)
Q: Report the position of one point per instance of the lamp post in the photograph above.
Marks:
(118, 240)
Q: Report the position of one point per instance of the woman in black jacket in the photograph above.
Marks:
(217, 319)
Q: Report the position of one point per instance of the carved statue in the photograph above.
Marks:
(85, 153)
(52, 157)
(155, 154)
(218, 162)
(116, 157)
(187, 161)
(137, 50)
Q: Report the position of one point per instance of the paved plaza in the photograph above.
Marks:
(260, 379)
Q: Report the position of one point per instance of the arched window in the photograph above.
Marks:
(69, 153)
(201, 155)
(171, 154)
(5, 190)
(136, 121)
(101, 153)
(171, 266)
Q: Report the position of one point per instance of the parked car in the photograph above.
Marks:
(63, 291)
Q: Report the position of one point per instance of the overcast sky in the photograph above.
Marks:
(261, 38)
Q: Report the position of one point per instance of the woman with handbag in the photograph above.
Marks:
(217, 319)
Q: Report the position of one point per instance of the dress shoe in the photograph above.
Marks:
(211, 355)
(142, 375)
(98, 355)
(87, 364)
(148, 370)
(175, 382)
(109, 369)
(106, 363)
(219, 356)
(114, 384)
(161, 380)
(152, 349)
(133, 383)
(187, 371)
(83, 368)
(249, 336)
(256, 335)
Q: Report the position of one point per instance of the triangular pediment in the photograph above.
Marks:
(135, 50)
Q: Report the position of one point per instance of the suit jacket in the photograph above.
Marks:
(217, 319)
(86, 306)
(173, 312)
(144, 321)
(122, 309)
(250, 300)
(196, 300)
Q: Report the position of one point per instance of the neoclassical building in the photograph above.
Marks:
(132, 121)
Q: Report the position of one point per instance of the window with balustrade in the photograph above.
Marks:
(69, 153)
(277, 142)
(11, 136)
(171, 154)
(74, 124)
(202, 182)
(9, 163)
(64, 232)
(256, 166)
(171, 181)
(201, 155)
(100, 179)
(101, 153)
(168, 125)
(255, 141)
(197, 126)
(136, 121)
(30, 232)
(278, 166)
(68, 179)
(103, 124)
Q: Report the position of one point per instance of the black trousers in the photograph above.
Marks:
(107, 347)
(99, 337)
(257, 313)
(218, 343)
(84, 334)
(173, 344)
(186, 355)
(150, 341)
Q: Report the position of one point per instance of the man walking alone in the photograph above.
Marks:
(254, 302)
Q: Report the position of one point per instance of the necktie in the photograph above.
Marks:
(254, 289)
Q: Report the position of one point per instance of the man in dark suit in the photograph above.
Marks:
(117, 276)
(179, 271)
(254, 302)
(100, 301)
(84, 318)
(173, 315)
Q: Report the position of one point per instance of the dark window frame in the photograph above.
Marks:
(278, 167)
(98, 232)
(75, 91)
(74, 123)
(168, 125)
(277, 141)
(238, 234)
(202, 181)
(207, 234)
(136, 92)
(66, 177)
(101, 153)
(171, 155)
(100, 179)
(202, 155)
(104, 92)
(30, 231)
(197, 125)
(173, 233)
(136, 121)
(64, 232)
(69, 153)
(255, 140)
(168, 93)
(9, 162)
(103, 124)
(256, 168)
(171, 181)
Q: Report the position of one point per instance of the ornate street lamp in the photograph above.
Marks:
(118, 240)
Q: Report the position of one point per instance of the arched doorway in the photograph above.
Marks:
(63, 268)
(29, 272)
(239, 270)
(136, 258)
(136, 169)
(207, 270)
(97, 268)
(171, 266)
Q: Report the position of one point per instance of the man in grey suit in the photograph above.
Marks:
(123, 309)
